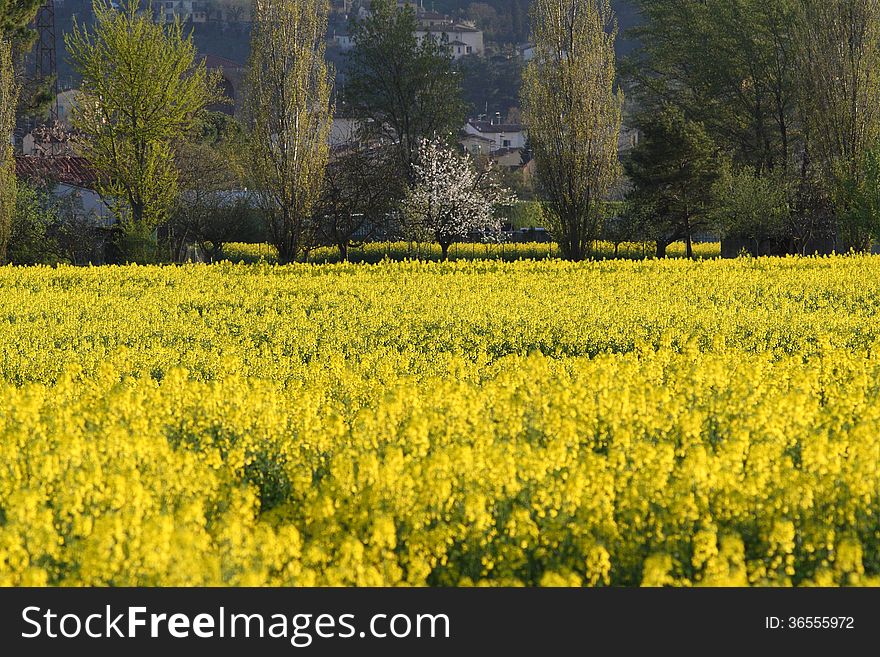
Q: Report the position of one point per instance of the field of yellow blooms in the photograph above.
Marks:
(528, 423)
(374, 252)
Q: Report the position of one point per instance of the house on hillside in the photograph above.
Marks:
(508, 158)
(476, 144)
(504, 144)
(463, 38)
(501, 135)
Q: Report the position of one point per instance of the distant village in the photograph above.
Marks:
(46, 155)
(46, 158)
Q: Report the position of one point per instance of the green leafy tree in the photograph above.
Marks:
(838, 59)
(16, 17)
(143, 91)
(573, 111)
(493, 84)
(672, 170)
(402, 89)
(33, 240)
(288, 116)
(728, 64)
(750, 206)
(862, 191)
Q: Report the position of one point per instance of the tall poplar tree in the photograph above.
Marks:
(288, 115)
(573, 110)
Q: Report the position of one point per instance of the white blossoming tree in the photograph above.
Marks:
(451, 198)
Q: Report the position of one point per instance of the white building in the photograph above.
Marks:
(462, 38)
(167, 11)
(343, 41)
(497, 134)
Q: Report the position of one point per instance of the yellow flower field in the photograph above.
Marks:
(373, 252)
(529, 423)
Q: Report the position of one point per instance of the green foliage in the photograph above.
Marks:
(525, 214)
(8, 100)
(405, 90)
(838, 58)
(143, 91)
(502, 21)
(492, 83)
(33, 233)
(288, 117)
(727, 64)
(747, 205)
(15, 19)
(862, 191)
(574, 110)
(137, 243)
(673, 170)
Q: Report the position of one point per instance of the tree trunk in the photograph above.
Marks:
(137, 214)
(444, 251)
(343, 250)
(286, 252)
(690, 247)
(661, 249)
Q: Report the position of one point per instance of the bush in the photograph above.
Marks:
(33, 236)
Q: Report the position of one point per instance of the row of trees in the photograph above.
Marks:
(400, 175)
(758, 117)
(165, 161)
(141, 121)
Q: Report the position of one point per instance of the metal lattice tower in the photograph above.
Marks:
(47, 64)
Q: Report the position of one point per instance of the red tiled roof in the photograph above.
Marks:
(74, 171)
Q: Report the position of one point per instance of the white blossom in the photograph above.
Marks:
(451, 198)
